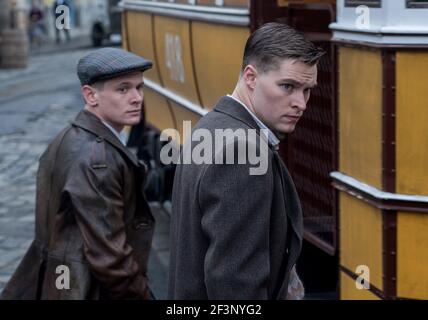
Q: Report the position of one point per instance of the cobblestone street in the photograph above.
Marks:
(18, 157)
(35, 104)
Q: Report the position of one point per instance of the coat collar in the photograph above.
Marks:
(90, 122)
(232, 108)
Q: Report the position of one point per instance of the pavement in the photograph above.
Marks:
(50, 46)
(35, 104)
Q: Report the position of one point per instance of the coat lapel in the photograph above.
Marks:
(93, 124)
(295, 209)
(294, 213)
(232, 108)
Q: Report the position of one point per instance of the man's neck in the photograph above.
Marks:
(116, 128)
(244, 97)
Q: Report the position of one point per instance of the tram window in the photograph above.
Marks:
(416, 4)
(368, 3)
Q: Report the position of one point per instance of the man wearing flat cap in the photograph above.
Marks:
(93, 225)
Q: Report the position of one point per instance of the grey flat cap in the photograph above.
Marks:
(108, 63)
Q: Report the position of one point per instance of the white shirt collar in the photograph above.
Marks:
(117, 134)
(272, 139)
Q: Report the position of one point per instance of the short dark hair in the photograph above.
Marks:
(275, 41)
(99, 85)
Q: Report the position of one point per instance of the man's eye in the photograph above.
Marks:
(287, 86)
(122, 90)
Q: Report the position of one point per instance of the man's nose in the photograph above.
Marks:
(137, 96)
(299, 101)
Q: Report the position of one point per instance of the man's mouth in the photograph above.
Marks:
(293, 118)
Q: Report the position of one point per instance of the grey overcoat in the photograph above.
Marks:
(233, 235)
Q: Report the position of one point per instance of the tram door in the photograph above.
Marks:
(311, 154)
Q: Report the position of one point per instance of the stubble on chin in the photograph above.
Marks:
(280, 135)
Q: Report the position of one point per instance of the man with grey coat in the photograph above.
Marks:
(237, 233)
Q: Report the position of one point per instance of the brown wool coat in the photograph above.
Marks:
(91, 216)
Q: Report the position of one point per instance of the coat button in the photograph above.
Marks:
(99, 139)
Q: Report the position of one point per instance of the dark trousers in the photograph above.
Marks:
(57, 34)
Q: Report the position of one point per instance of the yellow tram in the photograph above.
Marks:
(359, 155)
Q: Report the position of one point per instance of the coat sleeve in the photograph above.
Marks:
(97, 201)
(236, 209)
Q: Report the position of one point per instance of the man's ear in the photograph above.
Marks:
(249, 76)
(90, 95)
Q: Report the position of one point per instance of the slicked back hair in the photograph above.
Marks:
(274, 42)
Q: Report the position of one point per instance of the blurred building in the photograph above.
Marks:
(86, 16)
